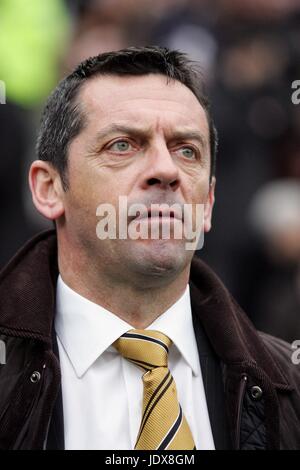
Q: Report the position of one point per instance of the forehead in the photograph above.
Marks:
(148, 99)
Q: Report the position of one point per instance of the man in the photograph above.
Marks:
(131, 342)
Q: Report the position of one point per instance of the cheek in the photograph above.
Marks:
(88, 188)
(197, 190)
(85, 201)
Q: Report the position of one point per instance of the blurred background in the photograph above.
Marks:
(250, 54)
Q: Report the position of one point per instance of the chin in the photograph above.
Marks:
(161, 257)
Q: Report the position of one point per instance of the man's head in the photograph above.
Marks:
(132, 123)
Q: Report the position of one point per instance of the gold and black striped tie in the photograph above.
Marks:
(163, 424)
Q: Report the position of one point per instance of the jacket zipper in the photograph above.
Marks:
(241, 395)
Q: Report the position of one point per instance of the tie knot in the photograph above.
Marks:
(146, 348)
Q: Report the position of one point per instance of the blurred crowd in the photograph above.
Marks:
(249, 51)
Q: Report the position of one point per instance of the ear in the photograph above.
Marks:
(209, 205)
(46, 188)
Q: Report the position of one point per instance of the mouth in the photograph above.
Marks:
(162, 215)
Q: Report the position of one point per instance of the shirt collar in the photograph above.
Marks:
(86, 329)
(177, 324)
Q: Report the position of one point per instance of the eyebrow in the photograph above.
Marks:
(189, 134)
(144, 133)
(123, 129)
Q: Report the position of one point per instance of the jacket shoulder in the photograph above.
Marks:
(286, 355)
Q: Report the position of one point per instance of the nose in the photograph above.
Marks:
(162, 170)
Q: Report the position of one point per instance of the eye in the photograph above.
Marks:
(120, 146)
(187, 152)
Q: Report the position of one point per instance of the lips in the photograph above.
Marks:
(150, 214)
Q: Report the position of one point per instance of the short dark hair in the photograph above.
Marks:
(62, 119)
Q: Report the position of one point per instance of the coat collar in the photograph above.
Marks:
(233, 337)
(27, 293)
(27, 306)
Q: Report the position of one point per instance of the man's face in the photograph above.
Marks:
(145, 139)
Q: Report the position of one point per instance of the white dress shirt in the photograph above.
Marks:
(102, 392)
